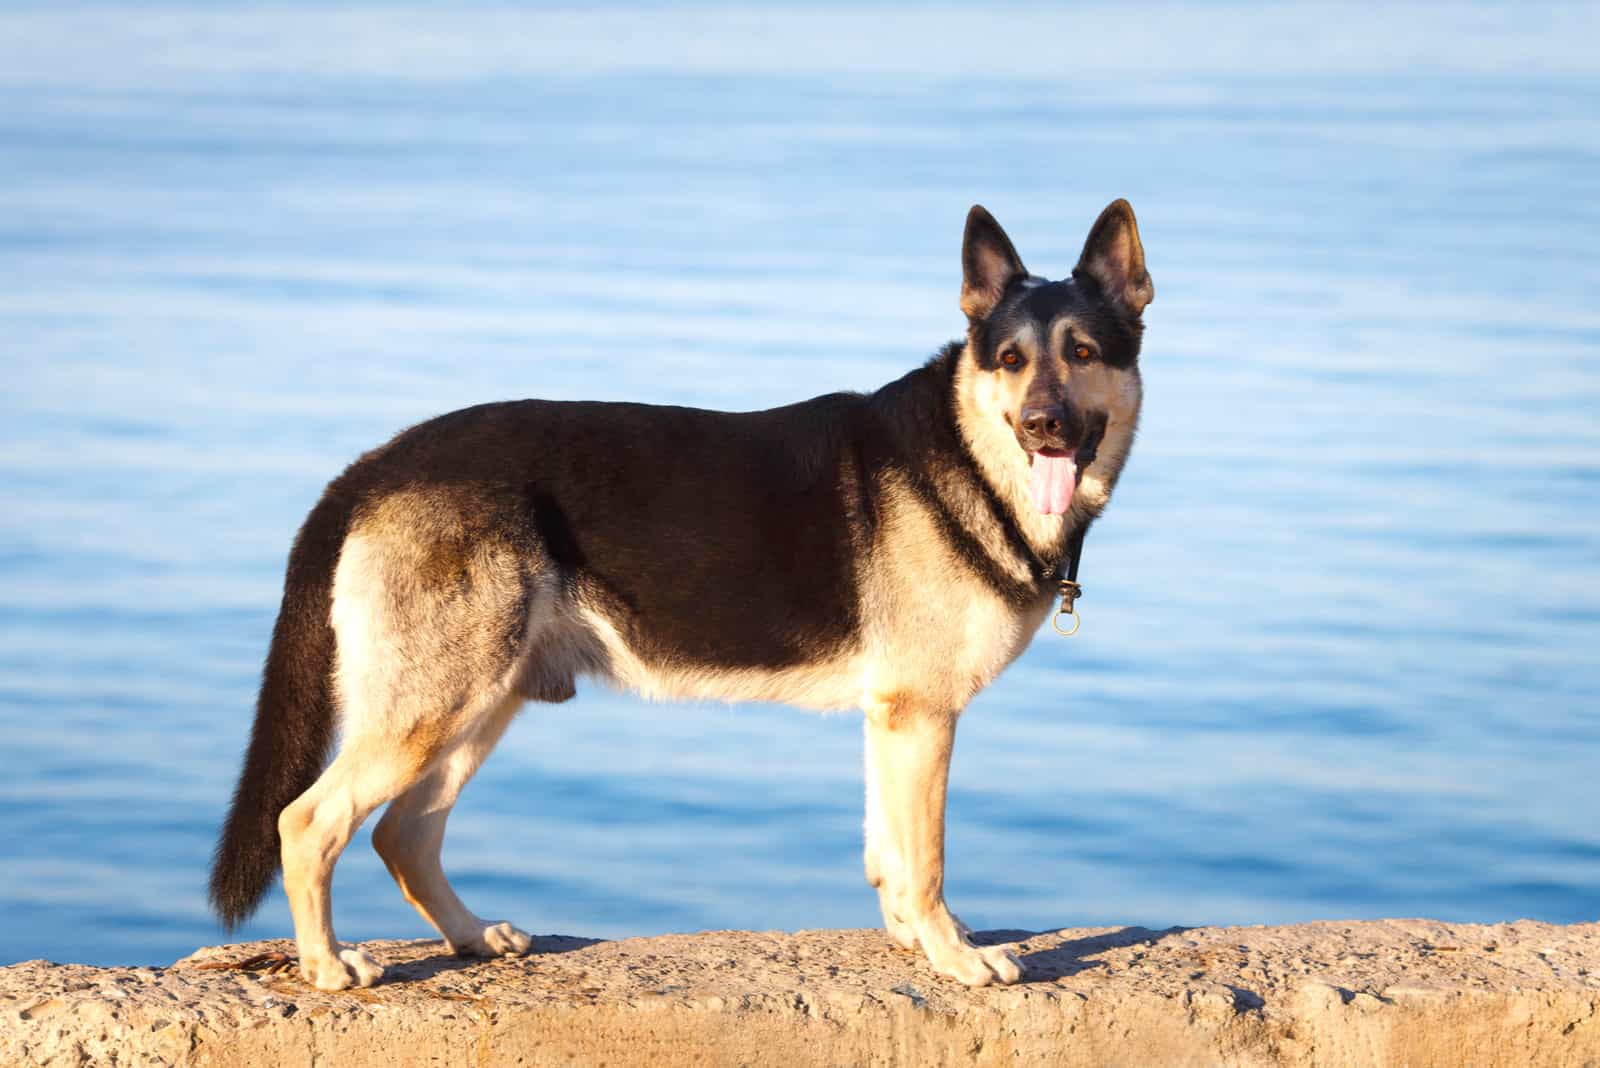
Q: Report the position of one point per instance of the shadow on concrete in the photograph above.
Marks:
(1067, 958)
(441, 960)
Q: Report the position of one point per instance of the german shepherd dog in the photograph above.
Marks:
(891, 551)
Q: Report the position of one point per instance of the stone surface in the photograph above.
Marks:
(1398, 992)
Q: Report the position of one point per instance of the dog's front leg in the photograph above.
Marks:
(908, 753)
(881, 858)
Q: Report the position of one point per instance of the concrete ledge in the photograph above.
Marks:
(1389, 993)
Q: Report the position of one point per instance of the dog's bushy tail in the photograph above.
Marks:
(294, 719)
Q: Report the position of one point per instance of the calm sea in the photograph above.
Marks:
(1341, 650)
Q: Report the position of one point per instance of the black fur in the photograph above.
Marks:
(721, 537)
(294, 717)
(1116, 338)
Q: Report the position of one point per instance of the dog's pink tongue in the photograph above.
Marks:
(1054, 479)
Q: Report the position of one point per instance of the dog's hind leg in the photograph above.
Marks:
(909, 745)
(411, 834)
(431, 599)
(315, 828)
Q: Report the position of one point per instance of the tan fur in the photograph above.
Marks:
(411, 834)
(1097, 387)
(909, 767)
(926, 657)
(891, 711)
(986, 401)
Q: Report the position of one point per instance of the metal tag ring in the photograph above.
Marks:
(1055, 621)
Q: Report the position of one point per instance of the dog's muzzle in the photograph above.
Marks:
(1059, 448)
(1055, 431)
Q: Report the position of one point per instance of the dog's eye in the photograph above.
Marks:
(1010, 358)
(1082, 352)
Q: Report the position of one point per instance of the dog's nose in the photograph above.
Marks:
(1043, 422)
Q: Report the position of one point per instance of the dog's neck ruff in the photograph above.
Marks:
(1010, 473)
(1037, 492)
(976, 488)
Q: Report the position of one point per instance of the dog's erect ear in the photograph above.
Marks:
(988, 264)
(1114, 257)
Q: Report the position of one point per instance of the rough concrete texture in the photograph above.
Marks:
(1392, 993)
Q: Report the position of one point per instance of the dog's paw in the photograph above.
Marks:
(974, 966)
(899, 931)
(1004, 963)
(351, 967)
(495, 940)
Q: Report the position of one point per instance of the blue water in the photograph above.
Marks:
(1343, 618)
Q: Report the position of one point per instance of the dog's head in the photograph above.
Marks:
(1057, 362)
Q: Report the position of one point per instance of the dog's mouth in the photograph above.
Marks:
(1055, 472)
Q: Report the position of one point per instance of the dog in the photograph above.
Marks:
(892, 551)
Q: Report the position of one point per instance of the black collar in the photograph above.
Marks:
(1070, 590)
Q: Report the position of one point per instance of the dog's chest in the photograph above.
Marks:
(933, 624)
